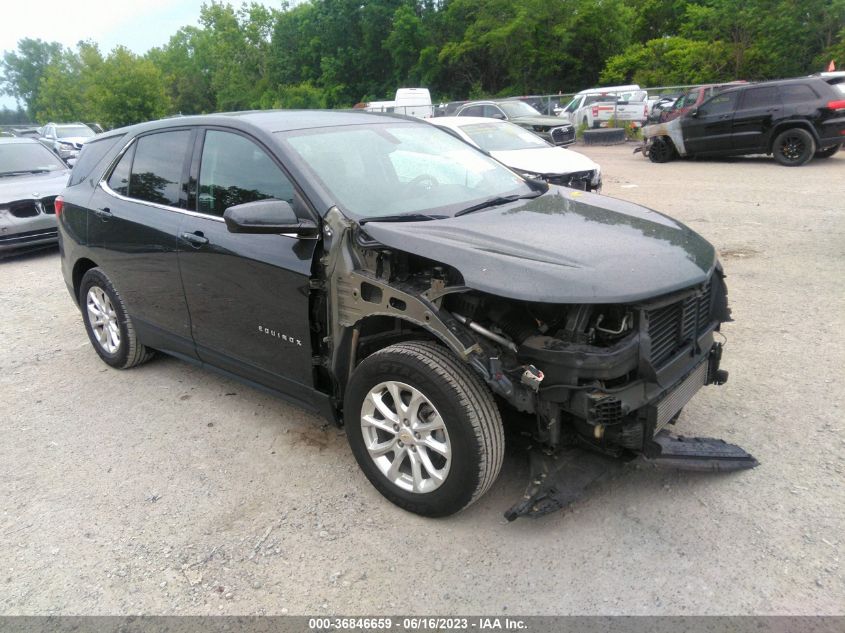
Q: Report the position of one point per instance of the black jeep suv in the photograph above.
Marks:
(379, 271)
(794, 120)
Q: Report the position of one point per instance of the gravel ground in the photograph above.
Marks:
(170, 490)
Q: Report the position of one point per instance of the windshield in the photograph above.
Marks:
(27, 157)
(502, 137)
(398, 168)
(518, 108)
(69, 131)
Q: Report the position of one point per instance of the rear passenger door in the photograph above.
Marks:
(132, 225)
(248, 294)
(758, 108)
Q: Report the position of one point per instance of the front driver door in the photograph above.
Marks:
(248, 294)
(708, 128)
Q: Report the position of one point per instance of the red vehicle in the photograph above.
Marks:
(693, 98)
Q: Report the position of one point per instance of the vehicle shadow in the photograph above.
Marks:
(28, 254)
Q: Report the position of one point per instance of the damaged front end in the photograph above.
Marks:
(601, 383)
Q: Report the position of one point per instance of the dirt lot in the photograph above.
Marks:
(168, 489)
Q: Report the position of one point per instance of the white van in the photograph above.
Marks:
(414, 102)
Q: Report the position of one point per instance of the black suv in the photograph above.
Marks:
(794, 120)
(383, 273)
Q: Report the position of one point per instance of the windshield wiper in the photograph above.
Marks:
(495, 202)
(23, 172)
(403, 217)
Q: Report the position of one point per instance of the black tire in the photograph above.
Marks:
(662, 150)
(827, 152)
(466, 407)
(794, 147)
(128, 352)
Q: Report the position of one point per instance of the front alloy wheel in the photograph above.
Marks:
(423, 427)
(406, 437)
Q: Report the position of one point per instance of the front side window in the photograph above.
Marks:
(387, 169)
(234, 170)
(720, 104)
(502, 137)
(157, 167)
(692, 98)
(492, 112)
(475, 110)
(518, 108)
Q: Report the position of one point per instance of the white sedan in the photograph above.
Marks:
(525, 152)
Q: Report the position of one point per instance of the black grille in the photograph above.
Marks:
(674, 326)
(49, 205)
(607, 410)
(563, 135)
(27, 209)
(575, 180)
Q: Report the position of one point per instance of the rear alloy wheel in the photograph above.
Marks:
(109, 328)
(424, 428)
(662, 150)
(827, 152)
(794, 147)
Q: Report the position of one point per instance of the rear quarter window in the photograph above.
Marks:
(796, 93)
(92, 153)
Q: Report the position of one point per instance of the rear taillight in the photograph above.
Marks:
(595, 111)
(645, 110)
(839, 104)
(58, 205)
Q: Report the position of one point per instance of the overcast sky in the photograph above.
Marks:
(137, 24)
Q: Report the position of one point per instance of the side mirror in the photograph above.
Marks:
(267, 216)
(498, 115)
(693, 113)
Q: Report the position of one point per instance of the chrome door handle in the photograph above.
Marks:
(196, 238)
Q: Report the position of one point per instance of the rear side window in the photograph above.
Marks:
(157, 167)
(119, 179)
(234, 170)
(796, 93)
(92, 153)
(760, 97)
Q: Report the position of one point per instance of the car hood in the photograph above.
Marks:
(564, 247)
(545, 121)
(30, 186)
(545, 160)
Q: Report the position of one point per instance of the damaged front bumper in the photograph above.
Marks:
(600, 407)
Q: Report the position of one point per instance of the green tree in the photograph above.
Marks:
(669, 61)
(65, 84)
(22, 69)
(126, 89)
